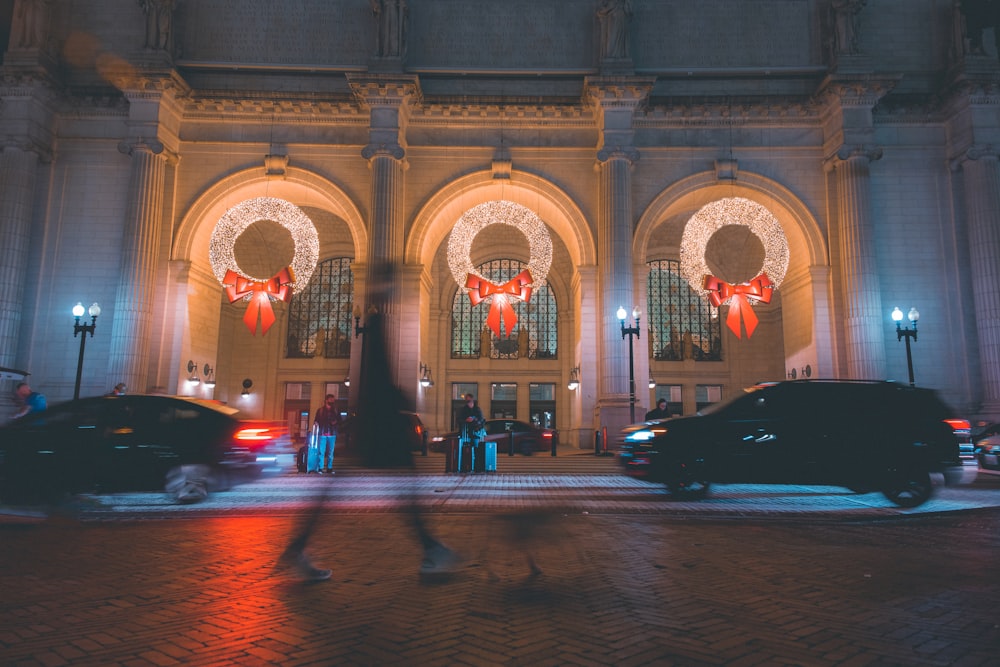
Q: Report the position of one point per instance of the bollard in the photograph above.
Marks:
(597, 442)
(510, 446)
(553, 444)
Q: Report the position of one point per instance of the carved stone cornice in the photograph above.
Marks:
(725, 113)
(612, 92)
(855, 92)
(146, 84)
(385, 90)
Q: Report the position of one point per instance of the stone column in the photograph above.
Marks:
(981, 169)
(864, 324)
(614, 249)
(133, 309)
(18, 173)
(388, 99)
(615, 101)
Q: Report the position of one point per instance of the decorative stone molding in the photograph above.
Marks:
(392, 90)
(275, 165)
(849, 152)
(973, 154)
(392, 150)
(727, 169)
(628, 153)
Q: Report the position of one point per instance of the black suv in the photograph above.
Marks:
(867, 436)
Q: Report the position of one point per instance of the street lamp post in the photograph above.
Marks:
(907, 333)
(630, 331)
(84, 329)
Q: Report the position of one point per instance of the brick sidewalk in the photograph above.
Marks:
(616, 590)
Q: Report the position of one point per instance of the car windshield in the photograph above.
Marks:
(721, 405)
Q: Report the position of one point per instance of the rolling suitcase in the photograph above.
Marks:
(489, 457)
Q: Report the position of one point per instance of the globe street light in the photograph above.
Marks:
(630, 331)
(907, 333)
(84, 329)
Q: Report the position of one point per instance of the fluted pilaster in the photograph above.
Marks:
(982, 201)
(864, 322)
(133, 311)
(614, 237)
(17, 185)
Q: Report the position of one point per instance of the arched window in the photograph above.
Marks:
(534, 335)
(319, 317)
(681, 325)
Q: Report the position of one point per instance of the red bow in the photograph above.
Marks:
(259, 294)
(758, 289)
(502, 314)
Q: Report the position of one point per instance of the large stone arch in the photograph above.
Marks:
(196, 319)
(429, 233)
(301, 187)
(805, 292)
(435, 219)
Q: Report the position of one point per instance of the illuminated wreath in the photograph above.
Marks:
(502, 316)
(236, 220)
(694, 268)
(505, 213)
(732, 211)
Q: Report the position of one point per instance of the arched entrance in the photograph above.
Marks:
(794, 334)
(512, 383)
(207, 329)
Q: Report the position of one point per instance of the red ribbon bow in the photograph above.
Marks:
(259, 294)
(502, 314)
(758, 289)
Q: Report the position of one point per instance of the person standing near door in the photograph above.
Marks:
(327, 422)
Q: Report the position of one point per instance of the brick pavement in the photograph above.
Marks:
(630, 588)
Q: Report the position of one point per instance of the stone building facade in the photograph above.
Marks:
(862, 133)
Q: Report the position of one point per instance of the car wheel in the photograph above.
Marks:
(685, 481)
(908, 488)
(188, 483)
(528, 447)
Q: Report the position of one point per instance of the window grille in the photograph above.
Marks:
(319, 317)
(681, 325)
(534, 335)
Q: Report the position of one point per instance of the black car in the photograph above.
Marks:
(866, 436)
(125, 443)
(415, 434)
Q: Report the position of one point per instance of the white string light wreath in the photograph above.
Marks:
(709, 219)
(236, 220)
(499, 212)
(479, 288)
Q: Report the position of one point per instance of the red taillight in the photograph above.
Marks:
(547, 434)
(959, 424)
(254, 436)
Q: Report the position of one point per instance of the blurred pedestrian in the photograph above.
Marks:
(383, 441)
(31, 401)
(119, 390)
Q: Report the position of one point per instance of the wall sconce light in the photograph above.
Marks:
(425, 378)
(652, 383)
(193, 373)
(209, 376)
(347, 380)
(805, 372)
(247, 383)
(574, 379)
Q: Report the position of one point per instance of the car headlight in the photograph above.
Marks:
(640, 436)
